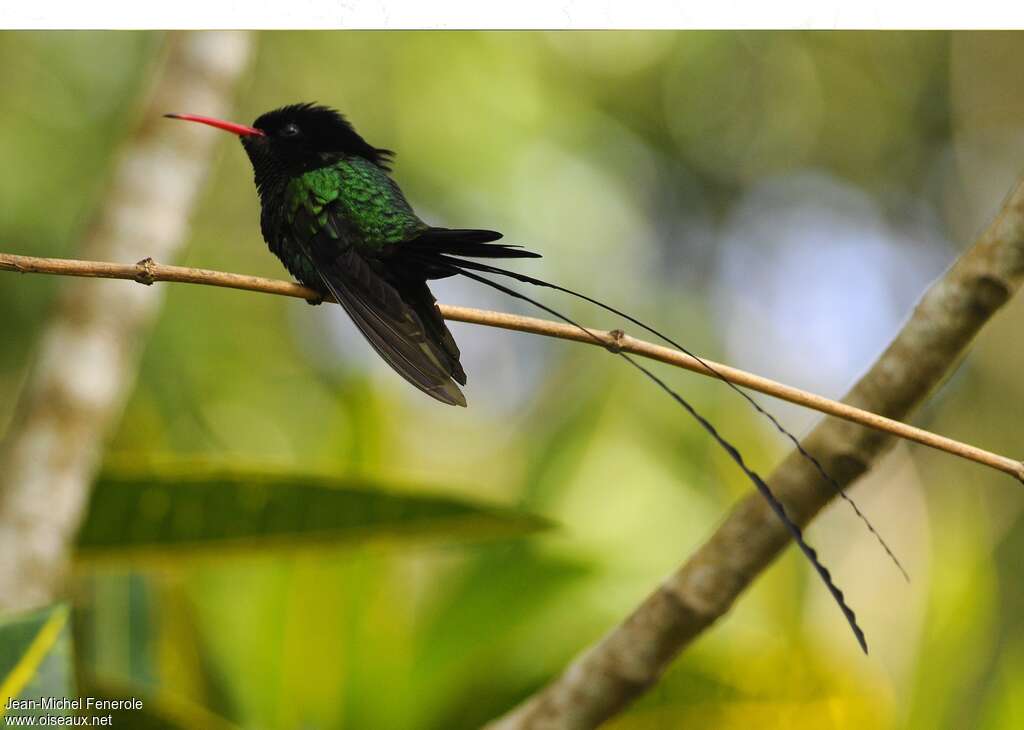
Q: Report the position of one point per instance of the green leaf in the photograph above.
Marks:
(199, 511)
(35, 660)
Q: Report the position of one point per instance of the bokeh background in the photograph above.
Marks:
(774, 200)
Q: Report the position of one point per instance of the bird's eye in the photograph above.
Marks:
(290, 130)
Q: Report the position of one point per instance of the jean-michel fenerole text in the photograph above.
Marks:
(74, 703)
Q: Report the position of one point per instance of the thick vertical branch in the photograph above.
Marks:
(88, 352)
(629, 660)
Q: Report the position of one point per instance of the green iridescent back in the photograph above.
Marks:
(352, 200)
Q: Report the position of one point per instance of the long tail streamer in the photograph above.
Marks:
(459, 266)
(829, 479)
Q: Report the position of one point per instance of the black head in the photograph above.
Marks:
(306, 136)
(297, 138)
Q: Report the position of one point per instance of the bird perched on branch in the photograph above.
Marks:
(331, 212)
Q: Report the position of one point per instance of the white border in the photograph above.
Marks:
(525, 14)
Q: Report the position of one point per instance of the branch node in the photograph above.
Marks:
(146, 271)
(614, 343)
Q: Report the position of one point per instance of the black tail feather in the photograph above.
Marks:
(766, 492)
(465, 242)
(487, 268)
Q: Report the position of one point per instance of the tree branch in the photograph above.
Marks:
(148, 272)
(604, 679)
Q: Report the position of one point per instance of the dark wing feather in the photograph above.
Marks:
(337, 252)
(392, 326)
(417, 295)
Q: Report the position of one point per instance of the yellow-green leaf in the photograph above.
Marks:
(35, 662)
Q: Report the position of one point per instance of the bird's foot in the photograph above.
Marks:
(315, 301)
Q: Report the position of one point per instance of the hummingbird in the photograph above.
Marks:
(334, 216)
(330, 211)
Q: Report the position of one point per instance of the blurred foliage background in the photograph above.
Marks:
(775, 200)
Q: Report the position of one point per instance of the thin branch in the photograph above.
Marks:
(148, 272)
(605, 678)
